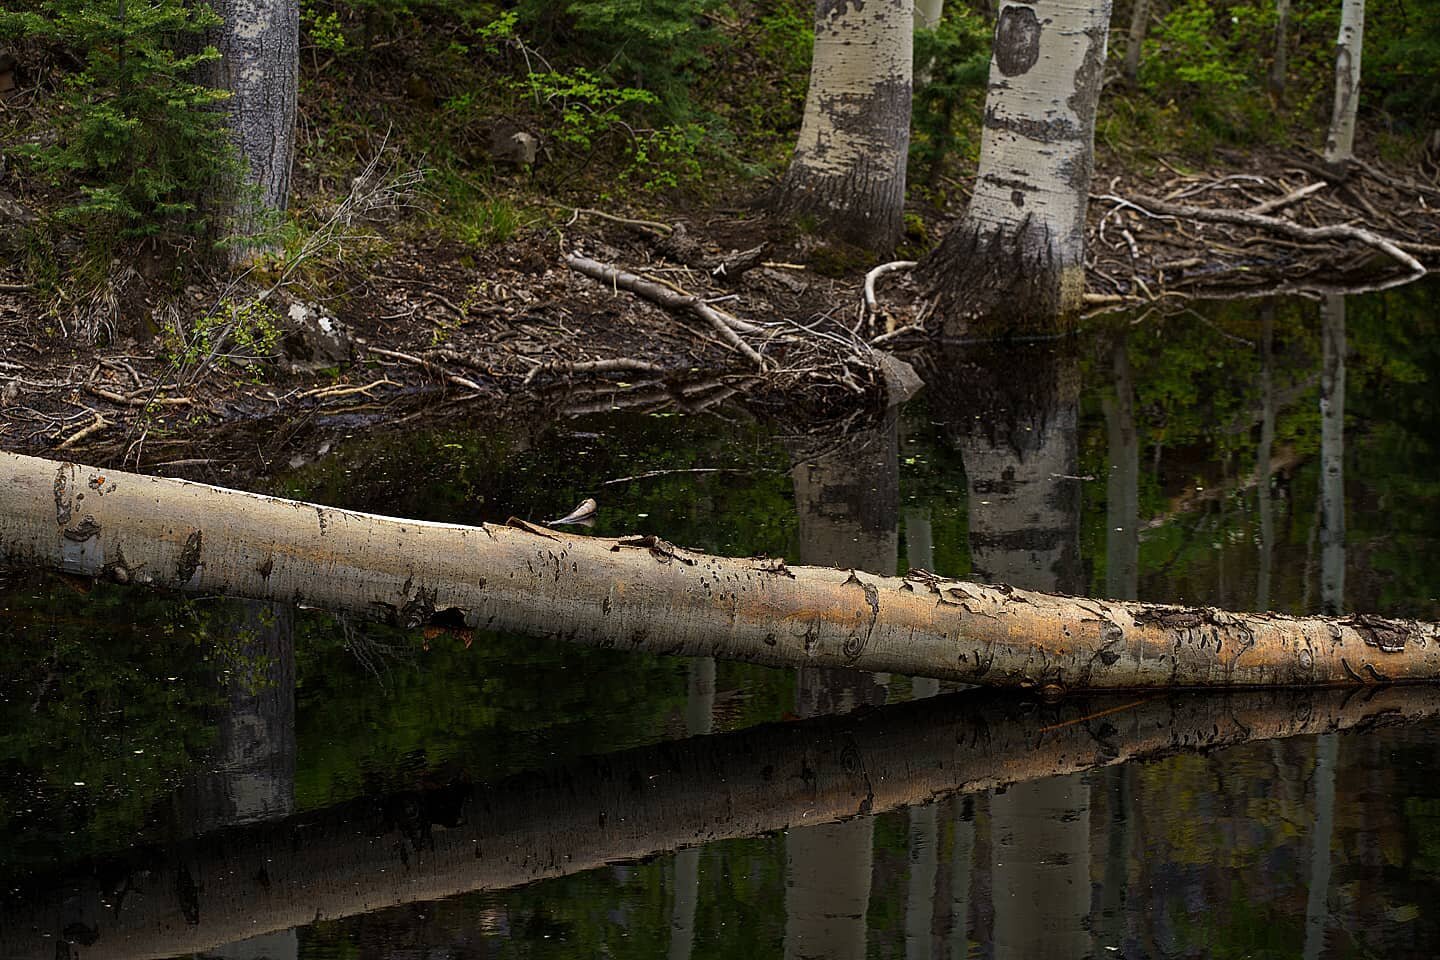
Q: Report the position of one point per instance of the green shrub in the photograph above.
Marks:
(136, 140)
(952, 66)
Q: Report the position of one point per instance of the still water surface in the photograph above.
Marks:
(239, 780)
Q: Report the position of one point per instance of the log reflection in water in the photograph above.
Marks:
(374, 853)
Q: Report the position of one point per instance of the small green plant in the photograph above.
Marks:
(237, 334)
(488, 222)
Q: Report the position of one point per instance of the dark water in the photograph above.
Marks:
(226, 779)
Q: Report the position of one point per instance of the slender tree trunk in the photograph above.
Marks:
(359, 856)
(962, 862)
(848, 501)
(1332, 455)
(1139, 26)
(1317, 910)
(848, 170)
(1021, 455)
(641, 593)
(1280, 66)
(1263, 457)
(1122, 483)
(1340, 143)
(699, 720)
(259, 64)
(1016, 261)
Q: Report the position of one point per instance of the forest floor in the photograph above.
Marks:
(434, 328)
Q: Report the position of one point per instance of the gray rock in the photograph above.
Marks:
(315, 339)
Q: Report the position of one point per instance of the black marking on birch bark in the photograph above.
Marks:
(1017, 40)
(1054, 130)
(1389, 636)
(1376, 673)
(266, 566)
(1350, 671)
(856, 644)
(419, 609)
(320, 517)
(853, 762)
(189, 560)
(661, 550)
(84, 530)
(62, 496)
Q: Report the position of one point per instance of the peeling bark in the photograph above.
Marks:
(617, 592)
(1015, 264)
(374, 853)
(848, 170)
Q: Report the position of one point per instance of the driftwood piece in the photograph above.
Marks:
(665, 297)
(1283, 227)
(618, 365)
(639, 594)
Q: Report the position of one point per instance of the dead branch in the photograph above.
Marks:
(665, 297)
(618, 365)
(871, 304)
(1285, 228)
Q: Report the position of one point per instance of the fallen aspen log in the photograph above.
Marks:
(377, 852)
(641, 593)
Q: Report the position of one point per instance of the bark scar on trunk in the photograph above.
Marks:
(189, 561)
(62, 496)
(661, 550)
(856, 644)
(1389, 636)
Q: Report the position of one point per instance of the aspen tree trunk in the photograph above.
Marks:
(1280, 66)
(1340, 143)
(962, 861)
(1263, 457)
(1015, 263)
(848, 504)
(1021, 453)
(848, 170)
(1317, 908)
(1332, 455)
(642, 593)
(1122, 483)
(1139, 26)
(699, 720)
(259, 64)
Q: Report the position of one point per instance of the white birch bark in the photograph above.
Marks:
(1139, 26)
(641, 593)
(1340, 143)
(1317, 907)
(1016, 261)
(928, 14)
(848, 169)
(259, 64)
